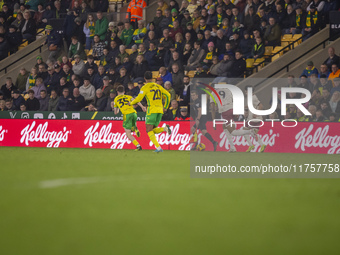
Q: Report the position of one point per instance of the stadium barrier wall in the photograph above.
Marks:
(65, 115)
(306, 137)
(86, 134)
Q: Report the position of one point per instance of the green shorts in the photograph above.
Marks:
(129, 120)
(153, 119)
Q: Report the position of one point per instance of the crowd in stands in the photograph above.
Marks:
(210, 39)
(324, 86)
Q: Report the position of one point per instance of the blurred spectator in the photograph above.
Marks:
(304, 83)
(42, 72)
(336, 85)
(100, 100)
(101, 25)
(196, 57)
(39, 62)
(272, 34)
(324, 71)
(76, 48)
(246, 45)
(65, 100)
(53, 41)
(30, 83)
(2, 105)
(43, 101)
(239, 66)
(28, 27)
(310, 69)
(334, 102)
(98, 77)
(110, 100)
(9, 105)
(87, 90)
(335, 72)
(19, 19)
(165, 75)
(258, 48)
(177, 78)
(78, 30)
(139, 68)
(78, 66)
(90, 63)
(107, 86)
(32, 103)
(13, 38)
(326, 111)
(168, 87)
(101, 5)
(127, 33)
(97, 47)
(67, 73)
(226, 66)
(172, 112)
(22, 79)
(78, 102)
(332, 59)
(38, 16)
(39, 86)
(89, 31)
(7, 88)
(63, 83)
(17, 99)
(183, 114)
(312, 23)
(4, 47)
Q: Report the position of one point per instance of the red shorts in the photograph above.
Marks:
(228, 115)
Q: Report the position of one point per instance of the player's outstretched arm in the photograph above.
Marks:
(139, 98)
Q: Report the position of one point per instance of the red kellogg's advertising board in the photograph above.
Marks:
(86, 134)
(306, 137)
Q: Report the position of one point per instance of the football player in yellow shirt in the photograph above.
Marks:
(121, 103)
(154, 94)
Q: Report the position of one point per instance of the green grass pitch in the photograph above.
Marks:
(87, 201)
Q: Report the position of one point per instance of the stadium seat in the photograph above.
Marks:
(257, 63)
(155, 74)
(296, 37)
(97, 62)
(90, 52)
(191, 74)
(277, 49)
(287, 37)
(275, 57)
(129, 51)
(250, 62)
(23, 45)
(135, 84)
(268, 50)
(72, 62)
(284, 44)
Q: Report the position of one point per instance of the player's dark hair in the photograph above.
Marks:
(120, 89)
(148, 75)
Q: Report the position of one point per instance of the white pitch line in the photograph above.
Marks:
(50, 184)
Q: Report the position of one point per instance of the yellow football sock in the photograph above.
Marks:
(135, 142)
(153, 139)
(158, 130)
